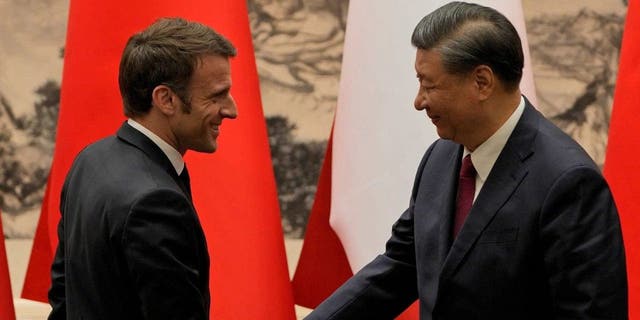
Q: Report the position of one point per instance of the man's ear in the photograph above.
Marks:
(163, 98)
(484, 80)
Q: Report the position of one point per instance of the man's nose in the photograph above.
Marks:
(230, 110)
(420, 102)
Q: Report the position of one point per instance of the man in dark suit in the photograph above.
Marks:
(509, 218)
(130, 242)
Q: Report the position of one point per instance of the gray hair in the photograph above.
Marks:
(167, 52)
(468, 35)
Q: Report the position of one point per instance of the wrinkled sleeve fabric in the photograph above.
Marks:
(159, 242)
(387, 285)
(383, 288)
(582, 247)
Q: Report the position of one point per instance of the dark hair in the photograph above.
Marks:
(167, 52)
(468, 35)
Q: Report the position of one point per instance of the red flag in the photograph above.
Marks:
(621, 167)
(234, 189)
(7, 310)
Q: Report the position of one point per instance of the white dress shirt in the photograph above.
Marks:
(486, 154)
(174, 156)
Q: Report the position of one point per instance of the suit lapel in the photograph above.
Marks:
(436, 200)
(134, 137)
(505, 177)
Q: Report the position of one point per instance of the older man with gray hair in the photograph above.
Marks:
(509, 218)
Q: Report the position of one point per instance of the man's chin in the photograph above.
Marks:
(206, 149)
(443, 135)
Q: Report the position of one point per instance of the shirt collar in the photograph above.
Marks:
(174, 156)
(486, 154)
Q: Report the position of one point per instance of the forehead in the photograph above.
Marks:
(428, 63)
(211, 71)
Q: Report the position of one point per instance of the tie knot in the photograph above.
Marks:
(467, 169)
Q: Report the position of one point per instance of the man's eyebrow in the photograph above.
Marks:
(219, 92)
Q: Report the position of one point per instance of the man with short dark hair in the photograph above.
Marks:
(509, 218)
(130, 242)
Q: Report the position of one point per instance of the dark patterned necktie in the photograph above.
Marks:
(466, 191)
(184, 177)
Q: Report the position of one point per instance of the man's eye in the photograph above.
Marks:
(221, 95)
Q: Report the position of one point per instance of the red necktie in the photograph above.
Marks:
(466, 191)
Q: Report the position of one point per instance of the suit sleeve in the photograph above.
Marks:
(387, 285)
(160, 247)
(583, 249)
(382, 289)
(56, 295)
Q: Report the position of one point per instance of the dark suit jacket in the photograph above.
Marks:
(542, 240)
(130, 242)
